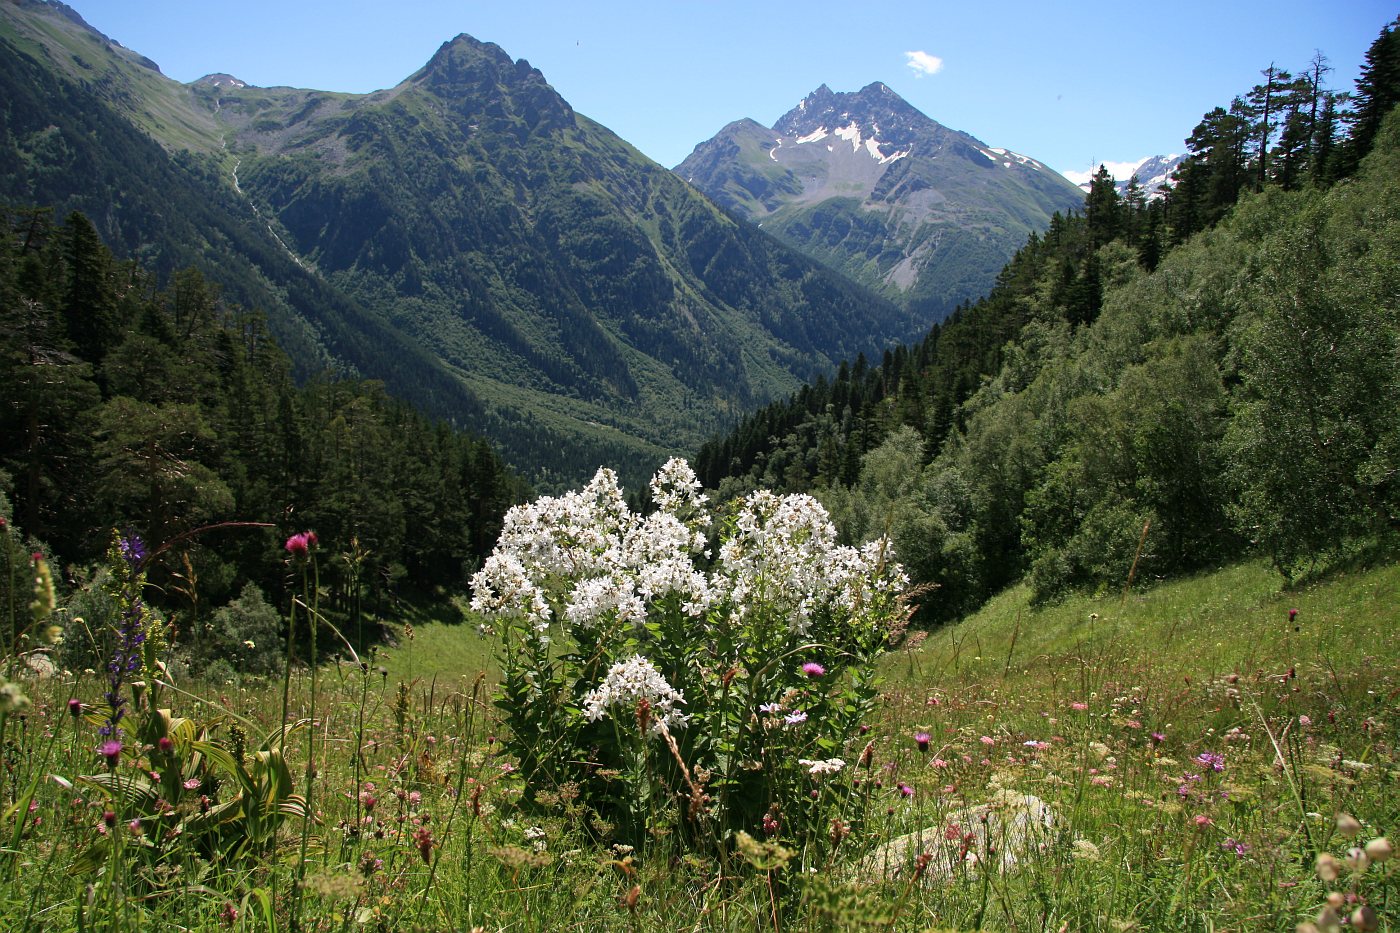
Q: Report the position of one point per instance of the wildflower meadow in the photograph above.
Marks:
(696, 717)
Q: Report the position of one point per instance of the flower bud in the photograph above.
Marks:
(1347, 825)
(1357, 860)
(1327, 867)
(1364, 919)
(1378, 849)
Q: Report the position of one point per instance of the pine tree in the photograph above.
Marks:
(1377, 91)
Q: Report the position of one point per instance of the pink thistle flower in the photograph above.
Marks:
(813, 669)
(75, 707)
(298, 545)
(1292, 614)
(1081, 707)
(922, 739)
(112, 751)
(424, 842)
(905, 790)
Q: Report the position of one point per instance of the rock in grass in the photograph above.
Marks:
(1002, 832)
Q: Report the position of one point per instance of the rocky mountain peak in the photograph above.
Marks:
(219, 80)
(479, 77)
(874, 116)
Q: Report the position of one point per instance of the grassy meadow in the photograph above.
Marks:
(1195, 744)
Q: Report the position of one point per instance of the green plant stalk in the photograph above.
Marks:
(467, 733)
(311, 606)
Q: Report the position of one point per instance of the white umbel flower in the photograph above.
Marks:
(627, 683)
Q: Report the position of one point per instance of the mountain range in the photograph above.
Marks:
(501, 260)
(923, 214)
(1152, 173)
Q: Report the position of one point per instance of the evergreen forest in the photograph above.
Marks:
(161, 410)
(1154, 386)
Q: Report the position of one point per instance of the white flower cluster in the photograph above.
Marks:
(784, 551)
(606, 564)
(569, 534)
(614, 561)
(676, 489)
(503, 587)
(626, 684)
(821, 767)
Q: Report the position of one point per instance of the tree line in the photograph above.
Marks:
(161, 410)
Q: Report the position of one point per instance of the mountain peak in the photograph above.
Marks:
(480, 79)
(874, 112)
(219, 80)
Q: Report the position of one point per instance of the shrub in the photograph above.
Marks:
(245, 635)
(671, 685)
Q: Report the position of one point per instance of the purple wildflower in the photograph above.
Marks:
(796, 717)
(813, 669)
(905, 790)
(131, 631)
(1232, 844)
(1211, 761)
(112, 751)
(132, 550)
(922, 738)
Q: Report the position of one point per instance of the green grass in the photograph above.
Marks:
(418, 825)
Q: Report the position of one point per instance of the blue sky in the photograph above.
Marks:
(1067, 84)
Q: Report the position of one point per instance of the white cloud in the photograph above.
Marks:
(922, 63)
(1121, 171)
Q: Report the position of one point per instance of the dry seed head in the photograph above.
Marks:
(1329, 921)
(1327, 867)
(1347, 825)
(1336, 900)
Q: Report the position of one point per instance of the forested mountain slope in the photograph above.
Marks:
(466, 236)
(1121, 405)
